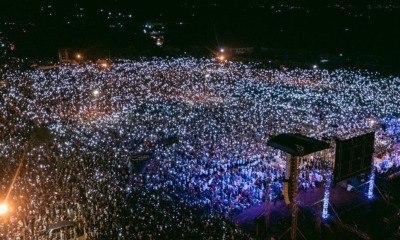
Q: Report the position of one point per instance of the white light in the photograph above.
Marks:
(96, 92)
(325, 205)
(315, 67)
(3, 209)
(370, 193)
(372, 122)
(222, 50)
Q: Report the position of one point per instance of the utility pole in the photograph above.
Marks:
(295, 189)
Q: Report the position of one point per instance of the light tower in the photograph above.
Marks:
(296, 146)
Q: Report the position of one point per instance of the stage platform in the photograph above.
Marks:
(272, 218)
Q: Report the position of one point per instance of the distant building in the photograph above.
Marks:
(240, 50)
(5, 46)
(66, 55)
(154, 29)
(234, 51)
(63, 56)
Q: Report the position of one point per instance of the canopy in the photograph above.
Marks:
(296, 144)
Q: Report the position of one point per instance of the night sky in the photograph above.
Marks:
(327, 27)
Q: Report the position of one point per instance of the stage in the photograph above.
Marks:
(272, 219)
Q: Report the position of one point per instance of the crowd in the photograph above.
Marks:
(388, 163)
(73, 131)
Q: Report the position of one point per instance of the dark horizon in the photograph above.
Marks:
(358, 29)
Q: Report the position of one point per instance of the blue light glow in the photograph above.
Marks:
(370, 194)
(325, 213)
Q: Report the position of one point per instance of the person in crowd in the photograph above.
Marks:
(81, 134)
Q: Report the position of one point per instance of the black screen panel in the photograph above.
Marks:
(353, 156)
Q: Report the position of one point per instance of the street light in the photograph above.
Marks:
(3, 209)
